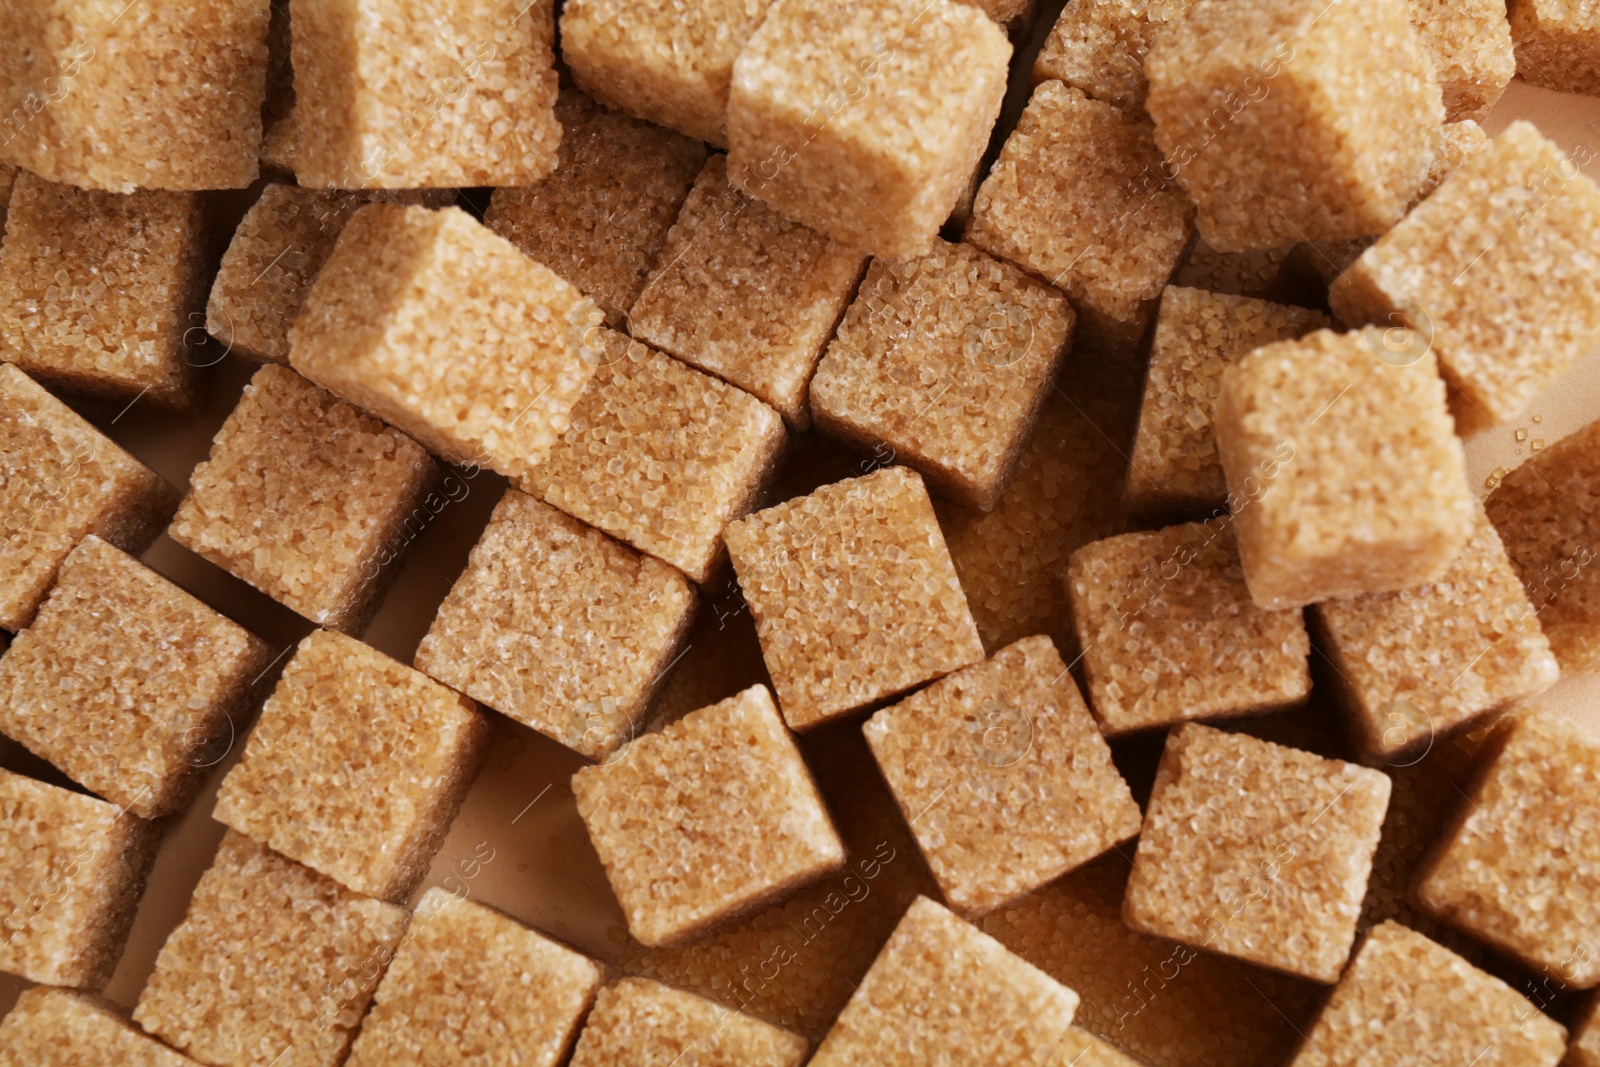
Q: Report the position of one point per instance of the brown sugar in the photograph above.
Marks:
(58, 1028)
(1098, 46)
(1469, 42)
(1557, 44)
(637, 1021)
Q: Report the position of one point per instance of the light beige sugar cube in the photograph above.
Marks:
(1098, 47)
(1469, 42)
(58, 1028)
(1557, 44)
(637, 1021)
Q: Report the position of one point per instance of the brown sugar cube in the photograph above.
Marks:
(100, 291)
(945, 360)
(1517, 866)
(126, 683)
(744, 294)
(714, 816)
(1169, 630)
(1584, 1049)
(356, 767)
(559, 627)
(58, 1028)
(1078, 199)
(1493, 269)
(8, 181)
(1265, 120)
(1174, 469)
(1469, 42)
(1098, 47)
(307, 499)
(1259, 273)
(272, 964)
(1258, 851)
(1408, 1000)
(637, 1021)
(1003, 776)
(853, 594)
(600, 220)
(79, 83)
(661, 456)
(941, 985)
(1345, 475)
(1080, 1048)
(61, 480)
(1557, 44)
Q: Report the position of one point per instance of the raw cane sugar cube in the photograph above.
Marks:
(126, 683)
(1015, 15)
(946, 360)
(356, 767)
(559, 627)
(714, 816)
(1098, 47)
(1495, 268)
(600, 220)
(1266, 113)
(1406, 999)
(1584, 1049)
(1079, 199)
(306, 499)
(865, 121)
(1003, 775)
(8, 182)
(272, 964)
(1256, 851)
(1469, 42)
(100, 289)
(440, 327)
(59, 1028)
(640, 1022)
(119, 96)
(1557, 44)
(60, 481)
(1345, 475)
(1169, 630)
(743, 293)
(853, 594)
(1517, 867)
(942, 986)
(469, 984)
(1080, 1048)
(1174, 468)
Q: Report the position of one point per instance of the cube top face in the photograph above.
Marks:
(272, 960)
(56, 1028)
(712, 817)
(1344, 471)
(1454, 1013)
(125, 682)
(115, 327)
(638, 1021)
(559, 627)
(356, 766)
(941, 985)
(853, 593)
(1531, 833)
(1555, 44)
(945, 360)
(1256, 851)
(1470, 44)
(1169, 631)
(1003, 776)
(306, 499)
(745, 294)
(1099, 47)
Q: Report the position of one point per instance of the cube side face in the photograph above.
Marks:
(1557, 45)
(637, 1020)
(1584, 1050)
(1099, 47)
(1470, 45)
(51, 1026)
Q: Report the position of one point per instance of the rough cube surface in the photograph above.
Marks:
(559, 627)
(1098, 46)
(1584, 1050)
(1469, 42)
(714, 816)
(640, 1023)
(1557, 44)
(56, 1028)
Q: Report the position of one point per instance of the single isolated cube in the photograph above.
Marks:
(126, 683)
(944, 987)
(1469, 42)
(853, 595)
(1256, 851)
(1496, 269)
(439, 326)
(85, 103)
(101, 289)
(72, 869)
(1584, 1050)
(1557, 44)
(1345, 475)
(945, 360)
(745, 294)
(865, 121)
(1406, 999)
(1516, 869)
(1175, 469)
(1265, 123)
(1003, 776)
(307, 499)
(472, 985)
(712, 817)
(638, 1022)
(356, 768)
(1079, 197)
(559, 627)
(60, 481)
(1169, 630)
(57, 1028)
(1098, 47)
(273, 964)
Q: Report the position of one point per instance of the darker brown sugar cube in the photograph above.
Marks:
(1557, 44)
